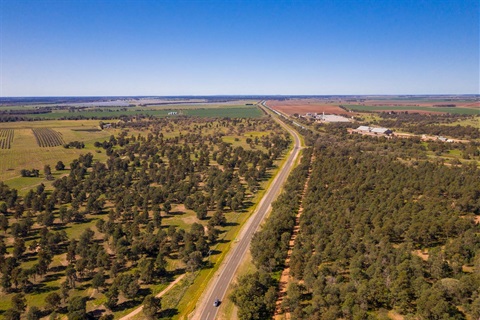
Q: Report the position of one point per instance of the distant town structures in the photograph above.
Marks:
(172, 113)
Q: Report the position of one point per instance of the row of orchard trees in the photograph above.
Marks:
(129, 195)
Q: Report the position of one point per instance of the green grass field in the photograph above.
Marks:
(471, 111)
(472, 121)
(232, 111)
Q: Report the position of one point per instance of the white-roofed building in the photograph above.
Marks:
(372, 130)
(331, 118)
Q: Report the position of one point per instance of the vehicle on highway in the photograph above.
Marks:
(216, 303)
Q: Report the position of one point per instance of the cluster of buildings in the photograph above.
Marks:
(439, 138)
(367, 130)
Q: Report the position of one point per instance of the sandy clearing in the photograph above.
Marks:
(421, 254)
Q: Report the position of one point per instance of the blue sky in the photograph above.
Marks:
(71, 48)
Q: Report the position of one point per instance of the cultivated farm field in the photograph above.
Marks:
(410, 108)
(344, 105)
(47, 137)
(24, 151)
(245, 110)
(6, 138)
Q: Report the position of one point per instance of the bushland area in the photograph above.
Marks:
(101, 234)
(390, 230)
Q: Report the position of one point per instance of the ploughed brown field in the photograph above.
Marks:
(302, 106)
(305, 105)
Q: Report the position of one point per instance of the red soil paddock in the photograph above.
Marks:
(302, 106)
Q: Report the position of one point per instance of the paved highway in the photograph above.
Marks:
(219, 284)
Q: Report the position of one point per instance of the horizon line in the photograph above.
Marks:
(242, 95)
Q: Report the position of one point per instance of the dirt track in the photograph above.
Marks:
(139, 309)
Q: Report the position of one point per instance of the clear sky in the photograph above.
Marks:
(72, 48)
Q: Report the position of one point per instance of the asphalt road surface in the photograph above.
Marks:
(217, 289)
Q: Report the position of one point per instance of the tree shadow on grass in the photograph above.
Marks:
(129, 304)
(58, 269)
(32, 237)
(207, 265)
(178, 271)
(247, 204)
(215, 252)
(266, 177)
(29, 257)
(96, 314)
(167, 313)
(53, 277)
(143, 292)
(58, 227)
(42, 288)
(175, 213)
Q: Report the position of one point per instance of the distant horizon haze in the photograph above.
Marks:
(246, 96)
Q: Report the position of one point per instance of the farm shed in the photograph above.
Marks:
(331, 118)
(366, 129)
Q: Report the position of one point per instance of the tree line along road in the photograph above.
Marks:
(220, 283)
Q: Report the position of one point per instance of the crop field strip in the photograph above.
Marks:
(232, 111)
(457, 110)
(47, 137)
(6, 138)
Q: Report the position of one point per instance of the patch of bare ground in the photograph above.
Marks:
(190, 220)
(422, 254)
(395, 316)
(180, 208)
(468, 269)
(285, 278)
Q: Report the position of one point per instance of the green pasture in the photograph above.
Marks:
(470, 121)
(197, 111)
(471, 111)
